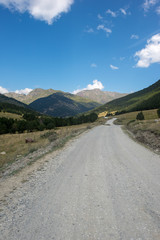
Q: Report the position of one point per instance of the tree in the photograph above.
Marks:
(21, 126)
(29, 116)
(140, 116)
(93, 117)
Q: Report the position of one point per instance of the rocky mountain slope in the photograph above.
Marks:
(32, 96)
(100, 96)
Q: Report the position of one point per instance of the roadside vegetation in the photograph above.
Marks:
(14, 149)
(147, 130)
(31, 123)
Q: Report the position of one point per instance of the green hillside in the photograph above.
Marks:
(13, 106)
(148, 98)
(63, 105)
(4, 99)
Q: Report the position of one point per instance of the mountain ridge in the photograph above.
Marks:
(32, 96)
(62, 104)
(100, 96)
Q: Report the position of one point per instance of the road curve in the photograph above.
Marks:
(104, 186)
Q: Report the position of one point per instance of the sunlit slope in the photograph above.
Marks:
(148, 98)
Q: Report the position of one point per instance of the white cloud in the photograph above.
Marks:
(25, 91)
(123, 11)
(106, 30)
(45, 10)
(3, 90)
(150, 54)
(158, 10)
(148, 4)
(100, 17)
(113, 14)
(93, 65)
(134, 36)
(96, 85)
(114, 67)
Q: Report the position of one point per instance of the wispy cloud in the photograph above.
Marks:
(148, 4)
(150, 54)
(122, 58)
(112, 13)
(113, 67)
(134, 36)
(3, 90)
(93, 65)
(96, 85)
(105, 29)
(158, 10)
(99, 16)
(123, 11)
(89, 30)
(45, 10)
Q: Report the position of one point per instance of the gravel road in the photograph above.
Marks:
(103, 186)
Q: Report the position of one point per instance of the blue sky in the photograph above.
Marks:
(68, 44)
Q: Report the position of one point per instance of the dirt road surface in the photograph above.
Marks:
(103, 186)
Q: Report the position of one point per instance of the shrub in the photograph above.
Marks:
(140, 116)
(158, 112)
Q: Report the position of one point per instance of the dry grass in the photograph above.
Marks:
(102, 114)
(15, 147)
(152, 126)
(127, 117)
(10, 115)
(147, 131)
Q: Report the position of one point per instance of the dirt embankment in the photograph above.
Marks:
(146, 132)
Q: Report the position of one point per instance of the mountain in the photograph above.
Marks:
(32, 96)
(62, 104)
(4, 99)
(148, 98)
(13, 106)
(100, 96)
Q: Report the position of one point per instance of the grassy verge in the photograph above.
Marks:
(124, 119)
(19, 154)
(146, 131)
(10, 115)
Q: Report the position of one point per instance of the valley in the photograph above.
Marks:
(79, 120)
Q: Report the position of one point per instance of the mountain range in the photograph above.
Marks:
(63, 105)
(32, 96)
(60, 104)
(95, 95)
(50, 102)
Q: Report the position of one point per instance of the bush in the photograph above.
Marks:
(140, 116)
(158, 112)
